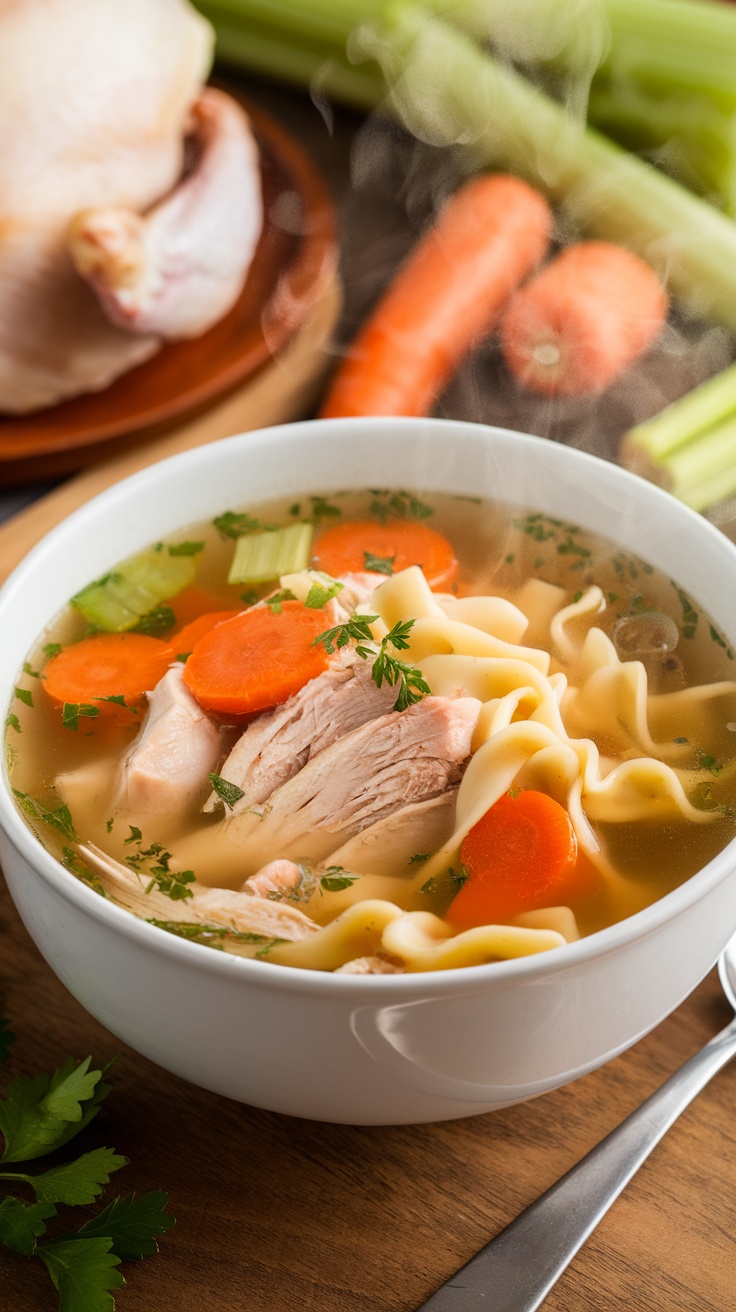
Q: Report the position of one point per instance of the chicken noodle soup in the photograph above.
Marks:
(371, 733)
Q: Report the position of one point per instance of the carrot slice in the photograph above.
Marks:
(521, 855)
(449, 293)
(107, 665)
(187, 638)
(575, 326)
(256, 660)
(349, 548)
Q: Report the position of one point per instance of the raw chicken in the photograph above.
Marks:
(96, 100)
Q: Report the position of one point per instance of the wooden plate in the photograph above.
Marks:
(295, 259)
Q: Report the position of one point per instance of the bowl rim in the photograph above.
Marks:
(464, 979)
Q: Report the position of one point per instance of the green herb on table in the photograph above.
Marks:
(38, 1116)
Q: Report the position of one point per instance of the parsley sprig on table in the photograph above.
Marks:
(38, 1116)
(396, 673)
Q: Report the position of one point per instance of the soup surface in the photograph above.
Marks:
(373, 733)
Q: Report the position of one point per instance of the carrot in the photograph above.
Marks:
(521, 855)
(257, 659)
(448, 294)
(575, 326)
(106, 665)
(359, 544)
(187, 638)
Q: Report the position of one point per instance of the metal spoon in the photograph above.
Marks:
(516, 1270)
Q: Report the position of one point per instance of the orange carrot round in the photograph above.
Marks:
(257, 659)
(575, 326)
(187, 638)
(192, 602)
(107, 665)
(355, 545)
(521, 855)
(449, 293)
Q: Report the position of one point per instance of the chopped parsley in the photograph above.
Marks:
(249, 597)
(378, 564)
(337, 878)
(153, 863)
(398, 505)
(186, 549)
(396, 673)
(233, 524)
(320, 593)
(52, 649)
(709, 763)
(418, 858)
(109, 824)
(721, 642)
(295, 509)
(322, 508)
(12, 722)
(275, 602)
(72, 712)
(24, 696)
(689, 613)
(449, 884)
(227, 792)
(28, 669)
(59, 819)
(157, 621)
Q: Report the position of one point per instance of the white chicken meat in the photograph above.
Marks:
(109, 245)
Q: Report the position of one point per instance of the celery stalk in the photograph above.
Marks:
(448, 91)
(704, 471)
(261, 557)
(710, 403)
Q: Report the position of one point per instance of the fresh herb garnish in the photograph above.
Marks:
(38, 1116)
(159, 620)
(689, 613)
(275, 602)
(295, 509)
(576, 597)
(135, 835)
(386, 667)
(709, 763)
(59, 819)
(24, 696)
(186, 549)
(236, 525)
(378, 564)
(28, 669)
(400, 505)
(448, 884)
(12, 722)
(72, 712)
(418, 858)
(320, 593)
(249, 597)
(52, 649)
(227, 792)
(681, 740)
(337, 878)
(324, 509)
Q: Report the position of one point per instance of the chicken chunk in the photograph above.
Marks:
(390, 846)
(167, 767)
(400, 758)
(277, 745)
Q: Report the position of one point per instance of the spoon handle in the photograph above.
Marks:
(517, 1269)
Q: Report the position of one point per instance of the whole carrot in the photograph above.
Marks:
(489, 237)
(575, 326)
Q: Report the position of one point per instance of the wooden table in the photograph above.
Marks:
(280, 1215)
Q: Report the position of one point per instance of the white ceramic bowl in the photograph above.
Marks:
(384, 1049)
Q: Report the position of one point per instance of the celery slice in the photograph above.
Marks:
(120, 600)
(261, 557)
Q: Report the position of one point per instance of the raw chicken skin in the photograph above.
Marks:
(96, 99)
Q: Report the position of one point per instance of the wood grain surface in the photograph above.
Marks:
(280, 1215)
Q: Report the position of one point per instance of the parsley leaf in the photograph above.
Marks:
(319, 594)
(21, 1224)
(43, 1113)
(401, 505)
(227, 792)
(132, 1224)
(234, 525)
(72, 711)
(186, 549)
(12, 722)
(386, 667)
(135, 835)
(324, 509)
(28, 669)
(378, 564)
(52, 649)
(156, 621)
(275, 602)
(75, 1183)
(336, 878)
(59, 819)
(356, 629)
(419, 858)
(83, 1271)
(118, 700)
(24, 696)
